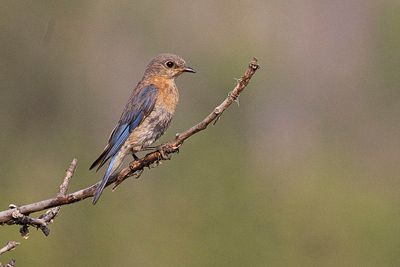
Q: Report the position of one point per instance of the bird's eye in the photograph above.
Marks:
(169, 64)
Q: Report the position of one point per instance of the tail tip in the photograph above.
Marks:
(96, 196)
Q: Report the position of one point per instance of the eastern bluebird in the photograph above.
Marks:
(146, 116)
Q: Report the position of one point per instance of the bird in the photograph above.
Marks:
(146, 115)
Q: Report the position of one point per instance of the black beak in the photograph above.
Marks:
(189, 69)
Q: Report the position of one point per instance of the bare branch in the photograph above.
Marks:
(135, 167)
(52, 213)
(10, 264)
(11, 245)
(8, 247)
(22, 218)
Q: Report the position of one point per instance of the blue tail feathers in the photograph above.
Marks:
(103, 183)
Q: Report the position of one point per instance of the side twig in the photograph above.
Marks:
(22, 218)
(134, 169)
(11, 245)
(8, 247)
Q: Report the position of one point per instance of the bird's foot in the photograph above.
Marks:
(163, 154)
(161, 150)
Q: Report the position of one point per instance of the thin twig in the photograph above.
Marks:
(11, 245)
(10, 264)
(42, 222)
(138, 165)
(62, 191)
(8, 247)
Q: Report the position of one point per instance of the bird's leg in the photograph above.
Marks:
(134, 156)
(150, 148)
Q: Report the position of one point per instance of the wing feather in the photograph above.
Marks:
(139, 106)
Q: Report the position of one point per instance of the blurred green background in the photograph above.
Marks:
(305, 172)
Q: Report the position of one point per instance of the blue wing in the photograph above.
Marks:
(139, 106)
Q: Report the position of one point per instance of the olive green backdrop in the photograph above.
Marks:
(305, 172)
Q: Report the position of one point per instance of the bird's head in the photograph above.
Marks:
(168, 66)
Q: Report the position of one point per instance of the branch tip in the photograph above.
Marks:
(11, 245)
(254, 64)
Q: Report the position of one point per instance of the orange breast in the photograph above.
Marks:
(168, 95)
